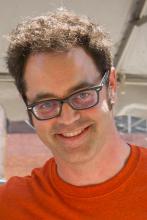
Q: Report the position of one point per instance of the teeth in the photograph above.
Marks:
(71, 134)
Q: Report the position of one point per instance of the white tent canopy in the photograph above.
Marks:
(126, 20)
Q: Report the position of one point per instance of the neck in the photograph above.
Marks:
(103, 166)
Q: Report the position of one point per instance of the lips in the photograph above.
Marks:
(73, 140)
(73, 133)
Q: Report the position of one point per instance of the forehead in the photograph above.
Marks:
(57, 73)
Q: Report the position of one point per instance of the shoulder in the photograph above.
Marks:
(140, 170)
(15, 187)
(11, 193)
(142, 151)
(23, 187)
(143, 155)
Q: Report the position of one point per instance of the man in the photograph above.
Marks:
(62, 67)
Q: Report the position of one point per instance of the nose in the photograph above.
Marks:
(68, 114)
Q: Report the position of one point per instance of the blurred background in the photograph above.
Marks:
(126, 21)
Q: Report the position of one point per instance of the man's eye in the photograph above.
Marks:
(46, 106)
(83, 95)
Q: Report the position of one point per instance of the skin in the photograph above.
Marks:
(83, 159)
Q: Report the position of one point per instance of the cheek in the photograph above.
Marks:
(99, 114)
(102, 108)
(42, 127)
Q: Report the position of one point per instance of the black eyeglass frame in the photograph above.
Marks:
(97, 88)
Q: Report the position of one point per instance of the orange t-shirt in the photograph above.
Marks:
(44, 196)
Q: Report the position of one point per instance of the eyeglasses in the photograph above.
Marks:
(80, 100)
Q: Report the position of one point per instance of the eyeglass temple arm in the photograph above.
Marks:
(105, 78)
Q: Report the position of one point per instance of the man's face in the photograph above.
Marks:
(76, 135)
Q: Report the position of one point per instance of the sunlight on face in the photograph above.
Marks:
(105, 106)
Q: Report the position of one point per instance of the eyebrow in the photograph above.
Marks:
(44, 95)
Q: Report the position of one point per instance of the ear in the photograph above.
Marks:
(112, 87)
(113, 79)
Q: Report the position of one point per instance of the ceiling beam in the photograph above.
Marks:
(142, 20)
(137, 8)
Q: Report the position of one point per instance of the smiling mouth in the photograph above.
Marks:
(74, 134)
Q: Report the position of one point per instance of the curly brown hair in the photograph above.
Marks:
(57, 31)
